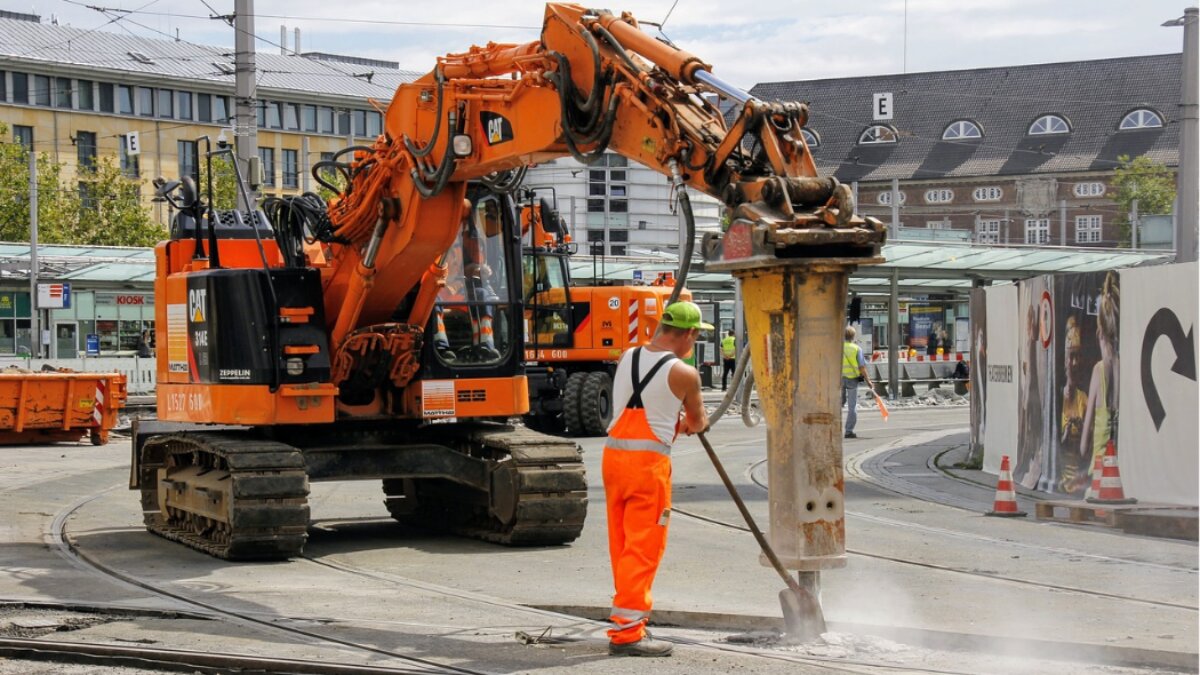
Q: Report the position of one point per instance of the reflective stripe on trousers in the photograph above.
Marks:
(637, 491)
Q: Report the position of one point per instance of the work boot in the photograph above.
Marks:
(851, 434)
(647, 646)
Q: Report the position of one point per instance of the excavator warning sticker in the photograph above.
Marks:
(437, 398)
(177, 338)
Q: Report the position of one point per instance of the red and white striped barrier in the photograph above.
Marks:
(882, 355)
(101, 402)
(633, 321)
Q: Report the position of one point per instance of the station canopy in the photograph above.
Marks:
(921, 267)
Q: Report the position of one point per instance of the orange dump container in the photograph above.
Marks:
(46, 407)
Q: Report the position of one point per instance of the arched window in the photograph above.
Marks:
(962, 130)
(810, 138)
(1141, 119)
(1049, 124)
(877, 134)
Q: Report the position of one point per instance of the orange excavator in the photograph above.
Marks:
(574, 335)
(380, 336)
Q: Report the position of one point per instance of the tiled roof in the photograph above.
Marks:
(1093, 96)
(30, 42)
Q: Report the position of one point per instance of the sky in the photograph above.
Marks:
(768, 41)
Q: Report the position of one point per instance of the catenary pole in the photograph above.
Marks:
(35, 335)
(245, 125)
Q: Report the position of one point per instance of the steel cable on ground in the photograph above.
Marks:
(58, 539)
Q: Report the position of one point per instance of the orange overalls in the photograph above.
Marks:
(637, 488)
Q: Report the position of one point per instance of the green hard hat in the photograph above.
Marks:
(684, 314)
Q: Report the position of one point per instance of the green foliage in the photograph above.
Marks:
(58, 205)
(224, 182)
(99, 207)
(111, 210)
(1152, 184)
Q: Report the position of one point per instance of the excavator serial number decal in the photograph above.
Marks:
(538, 355)
(437, 398)
(192, 402)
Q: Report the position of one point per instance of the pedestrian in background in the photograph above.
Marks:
(854, 370)
(728, 358)
(652, 384)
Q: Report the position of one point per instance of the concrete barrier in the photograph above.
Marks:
(140, 374)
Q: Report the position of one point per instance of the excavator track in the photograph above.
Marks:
(537, 495)
(248, 498)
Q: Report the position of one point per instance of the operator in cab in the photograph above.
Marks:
(651, 386)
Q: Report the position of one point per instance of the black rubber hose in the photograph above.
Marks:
(437, 128)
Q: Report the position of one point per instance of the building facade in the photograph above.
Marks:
(1013, 155)
(76, 95)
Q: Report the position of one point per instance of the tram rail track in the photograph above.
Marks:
(57, 538)
(758, 482)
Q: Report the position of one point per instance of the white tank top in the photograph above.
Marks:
(661, 404)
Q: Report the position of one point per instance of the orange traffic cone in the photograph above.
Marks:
(1006, 499)
(1110, 490)
(1094, 489)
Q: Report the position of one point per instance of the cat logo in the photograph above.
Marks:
(197, 300)
(496, 128)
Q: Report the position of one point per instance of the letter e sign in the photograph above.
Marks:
(881, 107)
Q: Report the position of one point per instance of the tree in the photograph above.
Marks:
(111, 212)
(224, 182)
(58, 206)
(1151, 183)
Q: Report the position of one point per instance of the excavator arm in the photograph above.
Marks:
(594, 82)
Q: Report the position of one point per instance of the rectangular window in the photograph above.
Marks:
(266, 158)
(107, 98)
(291, 168)
(220, 109)
(360, 122)
(343, 120)
(1087, 229)
(595, 235)
(145, 101)
(3, 86)
(204, 107)
(166, 103)
(616, 176)
(615, 249)
(595, 175)
(618, 206)
(616, 190)
(987, 232)
(84, 95)
(20, 88)
(615, 160)
(595, 206)
(291, 117)
(62, 92)
(184, 107)
(374, 123)
(41, 90)
(619, 235)
(87, 197)
(129, 163)
(23, 136)
(1037, 230)
(274, 115)
(310, 118)
(85, 144)
(124, 99)
(326, 120)
(189, 163)
(596, 189)
(937, 224)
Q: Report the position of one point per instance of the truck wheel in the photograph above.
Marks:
(595, 406)
(572, 394)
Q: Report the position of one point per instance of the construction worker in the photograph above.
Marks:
(650, 387)
(728, 357)
(854, 370)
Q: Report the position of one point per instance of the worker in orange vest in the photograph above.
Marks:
(652, 384)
